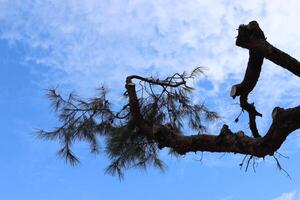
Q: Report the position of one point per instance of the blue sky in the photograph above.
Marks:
(77, 45)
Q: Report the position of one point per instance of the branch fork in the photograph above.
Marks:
(252, 38)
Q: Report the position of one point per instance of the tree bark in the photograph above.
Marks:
(285, 121)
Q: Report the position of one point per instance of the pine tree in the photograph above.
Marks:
(158, 111)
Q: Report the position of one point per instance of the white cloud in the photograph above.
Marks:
(88, 42)
(294, 195)
(229, 197)
(90, 37)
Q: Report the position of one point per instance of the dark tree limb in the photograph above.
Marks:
(252, 38)
(243, 89)
(157, 82)
(268, 51)
(135, 107)
(285, 121)
(155, 120)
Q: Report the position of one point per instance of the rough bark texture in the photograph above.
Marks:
(285, 121)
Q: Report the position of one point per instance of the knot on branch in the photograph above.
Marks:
(225, 130)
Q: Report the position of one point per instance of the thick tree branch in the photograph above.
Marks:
(285, 121)
(135, 111)
(243, 89)
(267, 50)
(252, 37)
(155, 120)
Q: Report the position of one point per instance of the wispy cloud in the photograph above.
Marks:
(85, 43)
(293, 195)
(104, 40)
(229, 197)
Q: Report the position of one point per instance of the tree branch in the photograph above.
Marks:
(285, 121)
(138, 118)
(243, 89)
(157, 82)
(267, 50)
(155, 121)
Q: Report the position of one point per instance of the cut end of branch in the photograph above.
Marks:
(130, 84)
(234, 91)
(275, 112)
(249, 32)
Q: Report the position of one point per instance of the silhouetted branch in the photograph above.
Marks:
(156, 111)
